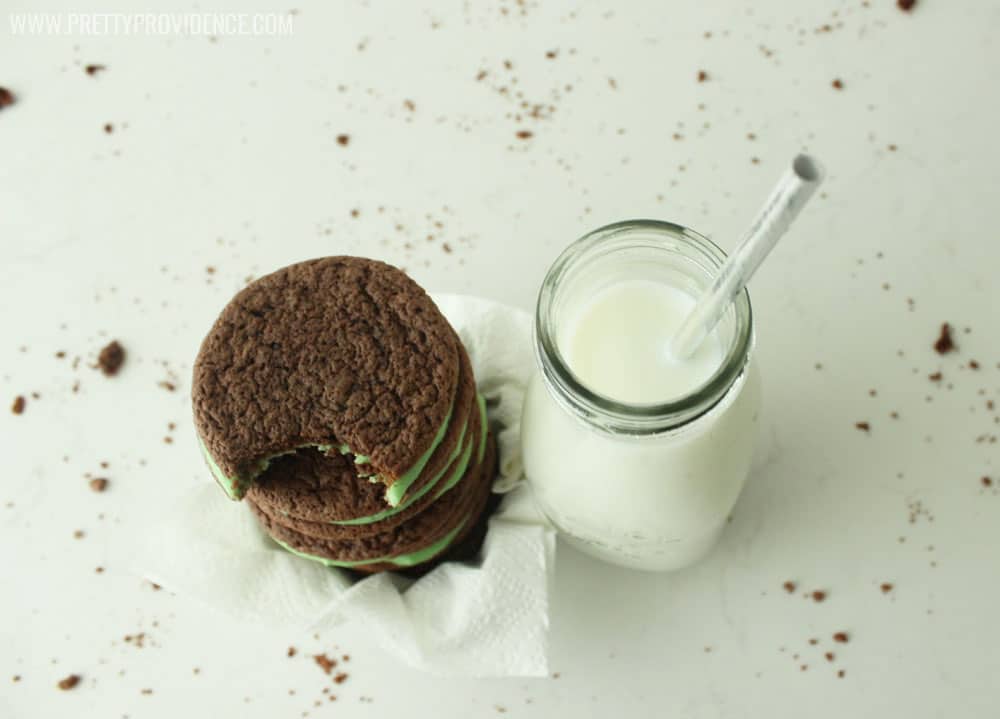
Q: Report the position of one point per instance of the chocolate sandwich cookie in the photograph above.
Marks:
(337, 353)
(416, 541)
(310, 486)
(465, 543)
(464, 408)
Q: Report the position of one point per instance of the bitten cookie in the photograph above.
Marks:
(339, 353)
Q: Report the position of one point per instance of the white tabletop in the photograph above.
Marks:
(224, 154)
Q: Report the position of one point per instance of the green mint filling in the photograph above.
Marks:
(459, 471)
(401, 560)
(397, 489)
(423, 490)
(484, 427)
(229, 484)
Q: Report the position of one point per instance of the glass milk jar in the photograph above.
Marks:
(635, 457)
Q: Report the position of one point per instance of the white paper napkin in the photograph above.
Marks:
(489, 618)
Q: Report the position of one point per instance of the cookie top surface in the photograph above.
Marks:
(332, 351)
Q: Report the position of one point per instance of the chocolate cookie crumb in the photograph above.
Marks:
(944, 343)
(109, 128)
(292, 651)
(840, 674)
(94, 69)
(525, 134)
(19, 404)
(343, 140)
(340, 678)
(973, 364)
(169, 386)
(905, 5)
(78, 534)
(829, 656)
(111, 359)
(69, 682)
(863, 426)
(819, 595)
(814, 641)
(98, 484)
(886, 587)
(935, 377)
(789, 587)
(986, 481)
(702, 76)
(99, 570)
(6, 98)
(838, 84)
(324, 662)
(840, 637)
(139, 640)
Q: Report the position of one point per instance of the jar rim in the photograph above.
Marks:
(625, 417)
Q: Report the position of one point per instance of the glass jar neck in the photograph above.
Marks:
(636, 250)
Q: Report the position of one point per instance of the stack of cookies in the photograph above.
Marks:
(337, 400)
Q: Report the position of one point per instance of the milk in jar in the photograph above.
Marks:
(635, 457)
